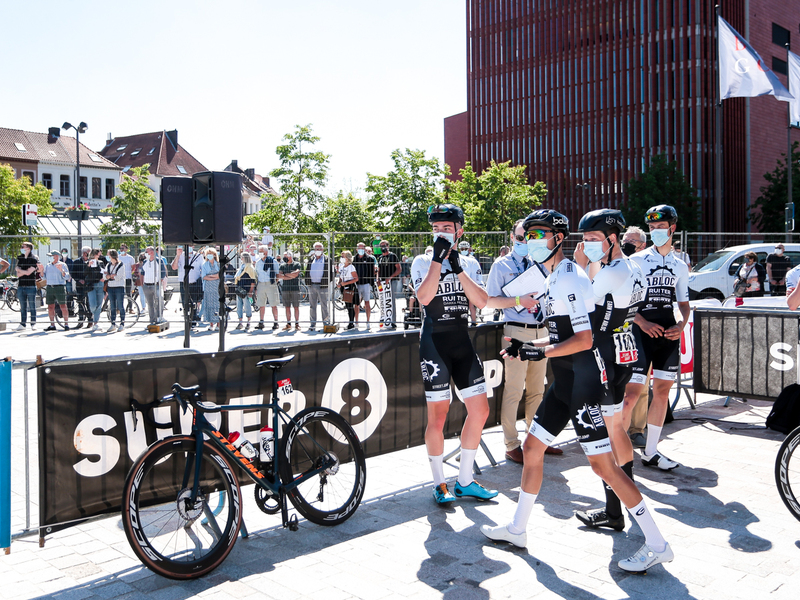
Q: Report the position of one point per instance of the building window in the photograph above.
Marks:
(109, 189)
(84, 187)
(29, 174)
(780, 66)
(47, 180)
(65, 191)
(780, 36)
(96, 188)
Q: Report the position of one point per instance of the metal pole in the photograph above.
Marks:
(78, 179)
(718, 142)
(789, 161)
(187, 300)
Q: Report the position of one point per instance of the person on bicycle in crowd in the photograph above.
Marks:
(318, 275)
(577, 392)
(348, 282)
(114, 277)
(195, 277)
(445, 284)
(246, 279)
(28, 266)
(366, 268)
(56, 273)
(618, 285)
(657, 332)
(289, 274)
(526, 325)
(267, 288)
(93, 283)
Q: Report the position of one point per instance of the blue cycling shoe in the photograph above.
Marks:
(474, 490)
(442, 495)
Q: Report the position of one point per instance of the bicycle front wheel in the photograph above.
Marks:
(319, 437)
(787, 472)
(12, 300)
(170, 534)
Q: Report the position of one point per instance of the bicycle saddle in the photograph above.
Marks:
(276, 363)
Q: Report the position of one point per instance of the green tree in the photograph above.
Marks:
(130, 211)
(346, 212)
(13, 194)
(401, 197)
(767, 213)
(662, 183)
(302, 175)
(497, 198)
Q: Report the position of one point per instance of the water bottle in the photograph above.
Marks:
(266, 439)
(243, 445)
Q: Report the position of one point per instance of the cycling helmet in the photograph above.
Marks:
(547, 218)
(464, 245)
(660, 213)
(606, 220)
(445, 212)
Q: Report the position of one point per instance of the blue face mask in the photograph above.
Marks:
(538, 250)
(659, 237)
(521, 249)
(594, 251)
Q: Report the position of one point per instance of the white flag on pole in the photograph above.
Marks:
(794, 88)
(742, 72)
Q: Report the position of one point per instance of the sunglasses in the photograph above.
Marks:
(537, 234)
(656, 216)
(519, 238)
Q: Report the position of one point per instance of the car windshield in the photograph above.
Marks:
(712, 262)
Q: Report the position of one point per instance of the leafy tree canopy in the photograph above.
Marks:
(662, 183)
(767, 213)
(13, 194)
(130, 210)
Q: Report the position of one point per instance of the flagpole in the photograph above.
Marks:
(789, 165)
(718, 153)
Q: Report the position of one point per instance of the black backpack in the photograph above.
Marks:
(785, 413)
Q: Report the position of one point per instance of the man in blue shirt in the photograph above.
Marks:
(319, 274)
(267, 287)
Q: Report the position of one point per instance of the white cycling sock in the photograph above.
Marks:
(652, 536)
(437, 468)
(653, 434)
(524, 507)
(465, 468)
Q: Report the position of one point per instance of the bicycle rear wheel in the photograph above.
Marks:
(12, 301)
(317, 436)
(133, 311)
(171, 535)
(787, 472)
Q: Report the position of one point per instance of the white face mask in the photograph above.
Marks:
(778, 251)
(341, 261)
(55, 259)
(594, 251)
(450, 237)
(317, 253)
(361, 251)
(26, 251)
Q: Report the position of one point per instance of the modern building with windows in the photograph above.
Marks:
(585, 92)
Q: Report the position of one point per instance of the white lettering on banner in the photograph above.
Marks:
(106, 447)
(786, 361)
(343, 394)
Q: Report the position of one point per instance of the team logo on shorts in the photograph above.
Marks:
(590, 417)
(429, 370)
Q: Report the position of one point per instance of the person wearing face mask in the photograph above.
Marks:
(657, 331)
(69, 262)
(634, 240)
(778, 264)
(195, 289)
(210, 275)
(289, 275)
(154, 271)
(445, 284)
(93, 281)
(127, 261)
(752, 274)
(526, 325)
(389, 273)
(267, 287)
(577, 392)
(366, 267)
(28, 266)
(56, 273)
(318, 275)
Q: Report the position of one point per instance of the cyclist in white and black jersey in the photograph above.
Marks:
(577, 392)
(618, 285)
(445, 284)
(657, 330)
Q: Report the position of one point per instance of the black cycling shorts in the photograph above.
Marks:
(445, 354)
(577, 393)
(618, 377)
(662, 353)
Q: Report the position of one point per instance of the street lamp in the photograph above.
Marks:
(583, 187)
(78, 131)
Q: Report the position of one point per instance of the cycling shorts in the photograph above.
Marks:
(618, 377)
(445, 354)
(662, 353)
(577, 393)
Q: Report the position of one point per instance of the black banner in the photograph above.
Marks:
(87, 442)
(745, 352)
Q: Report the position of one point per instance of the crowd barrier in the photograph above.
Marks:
(745, 352)
(87, 441)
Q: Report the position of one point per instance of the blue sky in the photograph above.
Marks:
(233, 77)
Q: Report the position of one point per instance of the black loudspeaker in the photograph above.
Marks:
(217, 208)
(176, 210)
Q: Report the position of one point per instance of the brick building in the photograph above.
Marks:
(585, 92)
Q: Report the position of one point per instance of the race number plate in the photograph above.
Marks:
(625, 348)
(285, 387)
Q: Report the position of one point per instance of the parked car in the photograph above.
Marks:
(713, 276)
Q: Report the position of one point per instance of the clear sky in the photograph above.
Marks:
(233, 76)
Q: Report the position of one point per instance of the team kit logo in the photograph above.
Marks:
(429, 370)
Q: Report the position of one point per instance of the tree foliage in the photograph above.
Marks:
(401, 197)
(497, 198)
(346, 212)
(130, 210)
(13, 194)
(302, 175)
(662, 183)
(767, 212)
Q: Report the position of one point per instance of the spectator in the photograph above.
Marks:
(319, 273)
(778, 264)
(389, 272)
(115, 284)
(56, 273)
(684, 256)
(503, 252)
(365, 267)
(348, 281)
(127, 261)
(289, 274)
(267, 288)
(93, 278)
(405, 271)
(634, 240)
(210, 274)
(754, 275)
(137, 278)
(28, 266)
(81, 289)
(245, 278)
(195, 275)
(69, 262)
(268, 240)
(154, 271)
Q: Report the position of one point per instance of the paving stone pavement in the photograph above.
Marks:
(720, 511)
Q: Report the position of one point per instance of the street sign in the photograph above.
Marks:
(30, 215)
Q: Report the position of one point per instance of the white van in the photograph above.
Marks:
(713, 276)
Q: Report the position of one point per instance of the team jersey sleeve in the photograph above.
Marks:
(576, 294)
(607, 280)
(419, 269)
(682, 282)
(792, 277)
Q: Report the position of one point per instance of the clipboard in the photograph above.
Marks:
(531, 281)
